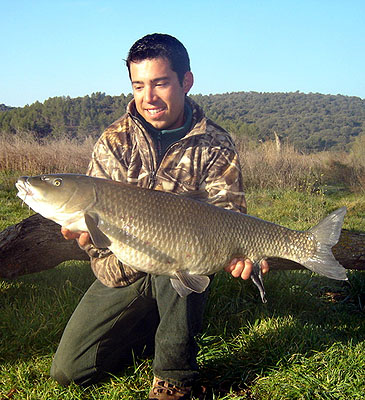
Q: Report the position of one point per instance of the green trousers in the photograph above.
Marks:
(112, 325)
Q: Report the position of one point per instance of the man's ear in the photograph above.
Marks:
(188, 81)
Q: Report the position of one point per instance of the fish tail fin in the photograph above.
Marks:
(326, 234)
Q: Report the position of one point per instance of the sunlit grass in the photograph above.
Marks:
(305, 343)
(307, 339)
(300, 210)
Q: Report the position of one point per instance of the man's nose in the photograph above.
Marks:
(149, 94)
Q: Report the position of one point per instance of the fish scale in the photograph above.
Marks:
(167, 234)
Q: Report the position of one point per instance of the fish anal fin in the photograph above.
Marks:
(99, 239)
(185, 283)
(182, 290)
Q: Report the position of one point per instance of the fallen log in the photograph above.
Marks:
(33, 245)
(36, 244)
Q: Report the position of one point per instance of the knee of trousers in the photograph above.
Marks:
(59, 375)
(66, 373)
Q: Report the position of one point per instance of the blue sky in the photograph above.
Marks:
(77, 47)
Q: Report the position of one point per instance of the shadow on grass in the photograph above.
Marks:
(244, 339)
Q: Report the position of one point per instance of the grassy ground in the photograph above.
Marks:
(306, 343)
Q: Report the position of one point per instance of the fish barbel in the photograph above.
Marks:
(167, 234)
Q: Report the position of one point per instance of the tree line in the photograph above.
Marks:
(311, 122)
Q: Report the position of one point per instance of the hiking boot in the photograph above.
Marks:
(162, 390)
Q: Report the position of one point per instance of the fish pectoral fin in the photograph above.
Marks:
(99, 239)
(185, 283)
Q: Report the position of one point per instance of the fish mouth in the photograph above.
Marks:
(24, 188)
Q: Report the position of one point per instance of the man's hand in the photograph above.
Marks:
(242, 267)
(82, 237)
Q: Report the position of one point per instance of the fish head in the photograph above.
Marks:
(56, 196)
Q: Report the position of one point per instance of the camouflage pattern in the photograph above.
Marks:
(204, 160)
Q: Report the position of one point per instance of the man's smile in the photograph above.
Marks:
(155, 111)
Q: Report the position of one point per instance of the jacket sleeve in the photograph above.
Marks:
(108, 269)
(224, 180)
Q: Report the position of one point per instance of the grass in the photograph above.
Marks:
(306, 343)
(300, 210)
(288, 348)
(28, 155)
(11, 209)
(334, 374)
(264, 166)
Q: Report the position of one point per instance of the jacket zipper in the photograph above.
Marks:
(159, 163)
(153, 173)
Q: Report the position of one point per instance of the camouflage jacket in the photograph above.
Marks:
(205, 159)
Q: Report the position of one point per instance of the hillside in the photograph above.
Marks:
(312, 122)
(3, 107)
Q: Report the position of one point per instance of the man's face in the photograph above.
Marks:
(158, 94)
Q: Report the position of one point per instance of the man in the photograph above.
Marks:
(163, 142)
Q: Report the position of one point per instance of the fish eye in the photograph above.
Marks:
(57, 182)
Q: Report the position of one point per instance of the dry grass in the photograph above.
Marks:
(24, 154)
(358, 162)
(264, 165)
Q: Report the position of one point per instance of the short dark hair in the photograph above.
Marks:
(161, 45)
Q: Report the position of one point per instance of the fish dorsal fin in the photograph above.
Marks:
(185, 283)
(99, 239)
(199, 195)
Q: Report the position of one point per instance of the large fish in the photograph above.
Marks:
(168, 234)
